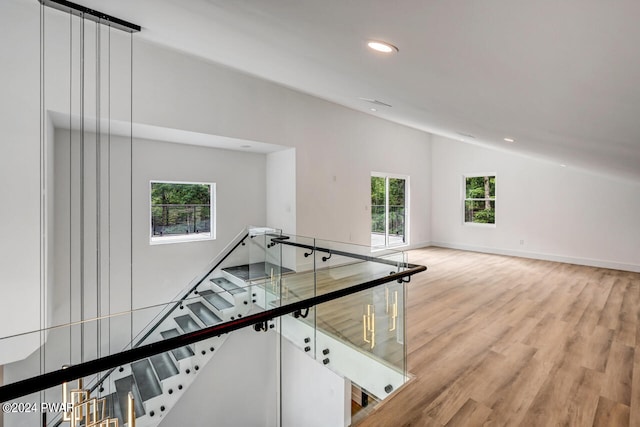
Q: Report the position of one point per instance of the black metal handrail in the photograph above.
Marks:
(51, 379)
(284, 240)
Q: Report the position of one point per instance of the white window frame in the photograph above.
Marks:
(464, 200)
(182, 238)
(386, 203)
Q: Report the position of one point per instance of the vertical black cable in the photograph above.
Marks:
(109, 201)
(131, 185)
(70, 184)
(98, 195)
(41, 195)
(82, 282)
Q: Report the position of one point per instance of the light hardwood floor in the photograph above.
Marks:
(504, 341)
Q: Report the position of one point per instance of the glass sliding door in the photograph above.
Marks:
(389, 200)
(378, 211)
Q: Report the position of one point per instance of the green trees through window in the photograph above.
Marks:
(181, 209)
(480, 199)
(388, 210)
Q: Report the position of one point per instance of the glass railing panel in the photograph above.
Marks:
(298, 329)
(298, 272)
(365, 335)
(83, 341)
(258, 267)
(236, 388)
(70, 343)
(342, 265)
(263, 271)
(290, 276)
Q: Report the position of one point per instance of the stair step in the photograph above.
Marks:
(228, 286)
(123, 387)
(216, 300)
(113, 407)
(187, 324)
(207, 316)
(148, 384)
(256, 270)
(178, 353)
(164, 366)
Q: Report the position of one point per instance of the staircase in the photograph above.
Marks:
(158, 381)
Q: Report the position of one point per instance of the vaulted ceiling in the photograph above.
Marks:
(562, 78)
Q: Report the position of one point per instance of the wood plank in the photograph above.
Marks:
(470, 414)
(610, 413)
(618, 379)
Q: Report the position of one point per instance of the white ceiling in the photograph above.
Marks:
(562, 77)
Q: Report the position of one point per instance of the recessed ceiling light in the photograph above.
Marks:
(510, 140)
(245, 146)
(383, 47)
(563, 165)
(373, 109)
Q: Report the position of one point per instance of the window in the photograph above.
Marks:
(480, 199)
(182, 211)
(389, 200)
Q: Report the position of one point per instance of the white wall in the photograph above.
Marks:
(159, 272)
(312, 394)
(19, 172)
(238, 387)
(560, 213)
(281, 190)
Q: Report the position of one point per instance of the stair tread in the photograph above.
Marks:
(123, 387)
(187, 324)
(181, 352)
(148, 384)
(207, 316)
(113, 408)
(256, 270)
(216, 300)
(164, 366)
(228, 286)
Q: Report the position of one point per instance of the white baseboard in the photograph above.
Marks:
(417, 245)
(541, 256)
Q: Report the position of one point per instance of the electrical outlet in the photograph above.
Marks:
(522, 241)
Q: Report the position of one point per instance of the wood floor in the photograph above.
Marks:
(503, 341)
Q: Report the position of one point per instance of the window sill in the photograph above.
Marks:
(182, 238)
(478, 224)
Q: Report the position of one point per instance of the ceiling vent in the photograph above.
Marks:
(466, 135)
(376, 102)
